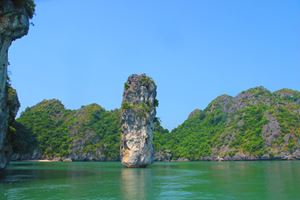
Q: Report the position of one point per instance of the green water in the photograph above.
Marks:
(193, 180)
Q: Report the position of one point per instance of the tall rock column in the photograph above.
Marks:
(14, 23)
(138, 113)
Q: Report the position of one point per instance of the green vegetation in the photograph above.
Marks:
(229, 126)
(60, 132)
(46, 123)
(29, 6)
(156, 103)
(141, 109)
(126, 86)
(146, 81)
(250, 138)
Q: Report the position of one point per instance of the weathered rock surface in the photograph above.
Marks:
(271, 130)
(137, 118)
(14, 23)
(163, 156)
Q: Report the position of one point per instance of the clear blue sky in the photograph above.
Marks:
(82, 52)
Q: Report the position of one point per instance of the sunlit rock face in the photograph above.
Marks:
(14, 23)
(138, 113)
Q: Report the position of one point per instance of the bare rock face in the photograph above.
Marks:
(271, 130)
(138, 114)
(14, 23)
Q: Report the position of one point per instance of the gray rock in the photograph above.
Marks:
(296, 154)
(250, 97)
(271, 130)
(67, 160)
(265, 157)
(195, 112)
(138, 113)
(182, 160)
(163, 156)
(206, 158)
(224, 102)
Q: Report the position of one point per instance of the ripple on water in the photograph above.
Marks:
(162, 181)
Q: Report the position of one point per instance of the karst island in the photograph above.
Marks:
(137, 121)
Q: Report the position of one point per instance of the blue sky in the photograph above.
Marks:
(195, 50)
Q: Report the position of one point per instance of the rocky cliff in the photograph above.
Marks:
(254, 125)
(13, 106)
(137, 121)
(14, 23)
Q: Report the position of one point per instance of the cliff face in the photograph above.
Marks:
(14, 23)
(13, 106)
(256, 124)
(137, 121)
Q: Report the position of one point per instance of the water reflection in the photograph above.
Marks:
(248, 180)
(136, 183)
(208, 180)
(25, 175)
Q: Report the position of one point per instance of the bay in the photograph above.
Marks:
(175, 180)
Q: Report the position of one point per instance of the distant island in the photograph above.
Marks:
(255, 125)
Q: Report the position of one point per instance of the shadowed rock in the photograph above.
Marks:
(14, 23)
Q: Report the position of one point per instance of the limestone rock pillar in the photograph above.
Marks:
(138, 113)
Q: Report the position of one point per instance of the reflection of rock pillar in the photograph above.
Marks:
(138, 113)
(136, 184)
(14, 23)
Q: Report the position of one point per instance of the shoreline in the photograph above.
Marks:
(166, 161)
(41, 161)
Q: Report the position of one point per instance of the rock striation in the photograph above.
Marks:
(14, 23)
(137, 121)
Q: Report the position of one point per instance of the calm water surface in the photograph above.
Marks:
(192, 180)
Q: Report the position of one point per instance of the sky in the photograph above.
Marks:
(82, 52)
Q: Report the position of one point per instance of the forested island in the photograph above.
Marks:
(254, 125)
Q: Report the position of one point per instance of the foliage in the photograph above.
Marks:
(56, 129)
(146, 81)
(45, 122)
(235, 125)
(29, 6)
(156, 103)
(228, 126)
(126, 86)
(141, 109)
